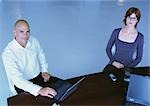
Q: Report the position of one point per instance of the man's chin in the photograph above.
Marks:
(26, 41)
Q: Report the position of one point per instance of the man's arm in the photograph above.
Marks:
(42, 58)
(18, 79)
(43, 62)
(16, 76)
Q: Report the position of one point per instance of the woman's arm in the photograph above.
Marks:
(139, 51)
(110, 45)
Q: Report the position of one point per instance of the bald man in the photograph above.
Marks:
(25, 63)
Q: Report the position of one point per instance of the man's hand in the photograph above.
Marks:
(46, 91)
(117, 65)
(46, 76)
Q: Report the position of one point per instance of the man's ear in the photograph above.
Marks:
(14, 32)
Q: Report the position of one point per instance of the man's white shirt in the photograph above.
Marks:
(22, 64)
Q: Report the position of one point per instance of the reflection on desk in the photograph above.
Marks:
(96, 89)
(28, 99)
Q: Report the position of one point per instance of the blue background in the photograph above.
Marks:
(73, 33)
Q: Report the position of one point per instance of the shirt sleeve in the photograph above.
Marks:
(42, 58)
(14, 74)
(139, 51)
(110, 45)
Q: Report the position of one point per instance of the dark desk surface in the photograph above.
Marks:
(28, 99)
(142, 71)
(96, 89)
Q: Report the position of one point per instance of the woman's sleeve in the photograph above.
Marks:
(139, 52)
(110, 45)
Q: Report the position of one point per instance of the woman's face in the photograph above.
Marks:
(131, 20)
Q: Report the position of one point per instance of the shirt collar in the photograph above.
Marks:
(18, 46)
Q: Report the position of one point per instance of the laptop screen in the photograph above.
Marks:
(139, 89)
(71, 89)
(64, 88)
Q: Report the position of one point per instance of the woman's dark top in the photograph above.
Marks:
(124, 50)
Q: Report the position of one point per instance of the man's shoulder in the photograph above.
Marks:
(8, 46)
(7, 50)
(33, 39)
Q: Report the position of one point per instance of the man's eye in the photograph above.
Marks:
(21, 31)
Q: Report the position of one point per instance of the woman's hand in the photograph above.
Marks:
(117, 65)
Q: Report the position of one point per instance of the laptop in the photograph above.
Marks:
(65, 88)
(138, 91)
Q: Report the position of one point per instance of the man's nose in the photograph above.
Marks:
(26, 34)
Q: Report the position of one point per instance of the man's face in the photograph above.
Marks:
(22, 33)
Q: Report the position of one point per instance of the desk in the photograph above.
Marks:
(145, 71)
(95, 89)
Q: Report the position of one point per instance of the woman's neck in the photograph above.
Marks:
(130, 29)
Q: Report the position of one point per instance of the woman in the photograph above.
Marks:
(127, 41)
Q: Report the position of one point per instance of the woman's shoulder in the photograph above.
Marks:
(140, 35)
(117, 29)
